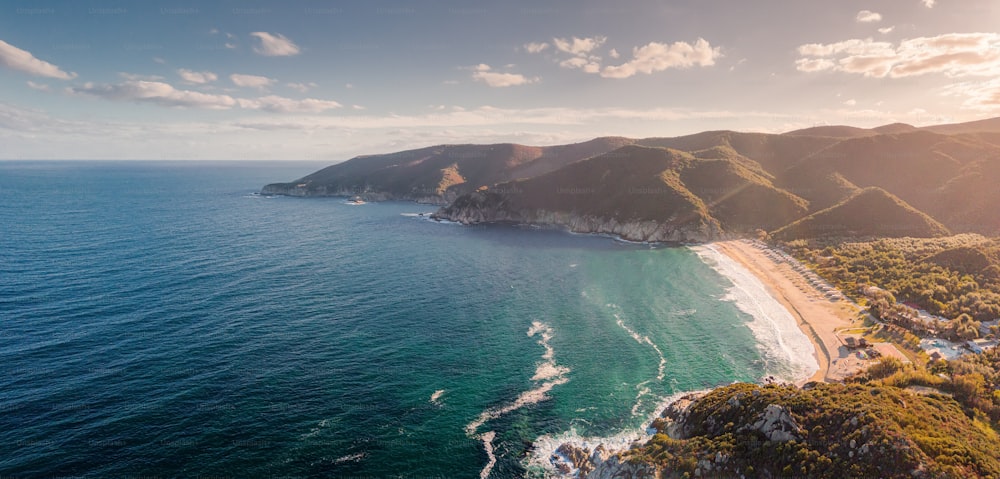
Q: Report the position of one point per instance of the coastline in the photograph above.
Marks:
(818, 317)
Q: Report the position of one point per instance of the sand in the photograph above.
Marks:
(818, 317)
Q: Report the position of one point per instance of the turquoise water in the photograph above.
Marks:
(162, 319)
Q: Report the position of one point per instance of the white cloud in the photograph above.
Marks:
(886, 30)
(654, 57)
(159, 60)
(952, 54)
(928, 3)
(164, 94)
(613, 53)
(485, 74)
(287, 105)
(136, 76)
(196, 77)
(38, 86)
(301, 87)
(21, 60)
(868, 16)
(979, 95)
(155, 92)
(579, 46)
(276, 45)
(251, 81)
(589, 65)
(851, 102)
(230, 45)
(535, 47)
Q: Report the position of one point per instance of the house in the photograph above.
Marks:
(979, 345)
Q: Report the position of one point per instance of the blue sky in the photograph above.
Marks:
(330, 80)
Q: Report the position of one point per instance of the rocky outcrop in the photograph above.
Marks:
(776, 424)
(601, 463)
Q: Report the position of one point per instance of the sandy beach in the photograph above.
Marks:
(818, 316)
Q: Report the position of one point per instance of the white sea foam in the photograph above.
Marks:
(488, 446)
(436, 397)
(547, 376)
(641, 339)
(544, 448)
(358, 457)
(774, 327)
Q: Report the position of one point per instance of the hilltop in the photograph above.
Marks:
(872, 212)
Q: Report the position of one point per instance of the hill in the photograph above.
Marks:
(826, 431)
(834, 131)
(987, 125)
(872, 212)
(643, 194)
(439, 174)
(733, 182)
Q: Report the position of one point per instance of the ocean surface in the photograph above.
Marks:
(162, 319)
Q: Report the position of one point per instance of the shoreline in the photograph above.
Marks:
(818, 317)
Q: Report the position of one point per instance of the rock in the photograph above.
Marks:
(776, 424)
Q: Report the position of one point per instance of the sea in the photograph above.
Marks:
(163, 319)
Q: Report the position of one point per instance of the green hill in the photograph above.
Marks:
(872, 212)
(439, 174)
(827, 431)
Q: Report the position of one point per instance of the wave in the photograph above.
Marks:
(547, 371)
(436, 397)
(544, 451)
(789, 354)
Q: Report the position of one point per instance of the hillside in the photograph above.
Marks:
(439, 174)
(634, 192)
(872, 212)
(829, 430)
(663, 194)
(730, 182)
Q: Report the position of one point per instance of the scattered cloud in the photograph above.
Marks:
(928, 3)
(196, 77)
(274, 45)
(953, 54)
(301, 87)
(485, 74)
(136, 76)
(251, 81)
(851, 102)
(159, 60)
(164, 94)
(868, 16)
(155, 92)
(613, 53)
(579, 46)
(535, 47)
(886, 30)
(280, 104)
(38, 86)
(979, 95)
(23, 61)
(587, 64)
(654, 57)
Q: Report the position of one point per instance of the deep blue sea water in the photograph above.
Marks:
(161, 319)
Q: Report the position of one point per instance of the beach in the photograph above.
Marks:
(817, 316)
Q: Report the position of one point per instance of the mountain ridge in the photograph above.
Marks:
(697, 187)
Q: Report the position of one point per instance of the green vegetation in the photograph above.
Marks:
(950, 276)
(872, 212)
(853, 430)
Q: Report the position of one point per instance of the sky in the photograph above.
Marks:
(329, 80)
